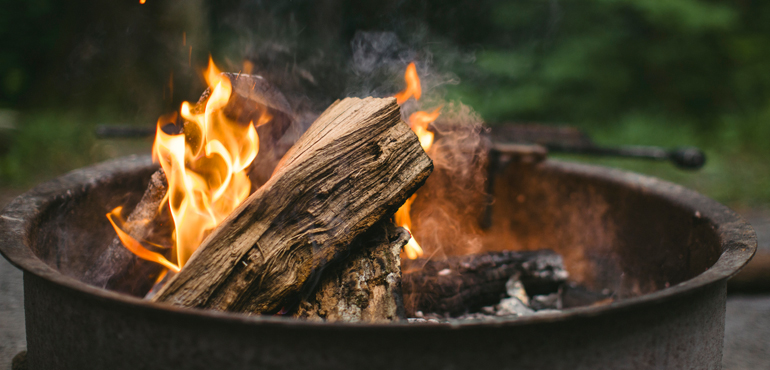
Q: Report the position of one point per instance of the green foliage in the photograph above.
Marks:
(652, 72)
(46, 145)
(736, 170)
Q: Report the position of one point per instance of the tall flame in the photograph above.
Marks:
(419, 122)
(206, 168)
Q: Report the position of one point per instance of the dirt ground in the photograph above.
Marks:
(747, 328)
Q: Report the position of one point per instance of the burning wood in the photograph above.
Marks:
(353, 167)
(315, 240)
(366, 286)
(119, 266)
(251, 101)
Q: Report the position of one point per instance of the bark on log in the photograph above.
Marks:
(118, 268)
(366, 286)
(354, 166)
(461, 284)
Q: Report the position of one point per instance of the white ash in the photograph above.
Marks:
(512, 307)
(514, 288)
(551, 301)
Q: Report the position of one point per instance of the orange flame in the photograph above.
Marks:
(206, 168)
(413, 87)
(419, 122)
(133, 245)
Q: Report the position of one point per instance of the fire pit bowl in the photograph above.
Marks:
(664, 252)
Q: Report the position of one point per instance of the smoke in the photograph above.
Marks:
(448, 208)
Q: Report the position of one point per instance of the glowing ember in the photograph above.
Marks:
(419, 122)
(206, 168)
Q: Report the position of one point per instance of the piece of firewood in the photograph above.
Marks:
(121, 270)
(365, 286)
(460, 284)
(354, 166)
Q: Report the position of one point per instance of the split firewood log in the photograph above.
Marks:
(353, 167)
(460, 284)
(118, 268)
(365, 286)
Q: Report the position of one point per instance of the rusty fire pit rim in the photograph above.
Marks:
(736, 236)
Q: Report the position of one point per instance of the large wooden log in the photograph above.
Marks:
(118, 268)
(366, 286)
(460, 284)
(354, 166)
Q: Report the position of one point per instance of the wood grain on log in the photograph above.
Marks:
(118, 268)
(462, 284)
(365, 286)
(354, 166)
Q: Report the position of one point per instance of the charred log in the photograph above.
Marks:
(354, 166)
(461, 284)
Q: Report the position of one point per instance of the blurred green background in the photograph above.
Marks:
(645, 72)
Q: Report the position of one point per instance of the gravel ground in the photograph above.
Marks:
(747, 328)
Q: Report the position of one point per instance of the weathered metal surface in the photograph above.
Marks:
(665, 251)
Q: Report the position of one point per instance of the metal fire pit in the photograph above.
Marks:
(666, 252)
